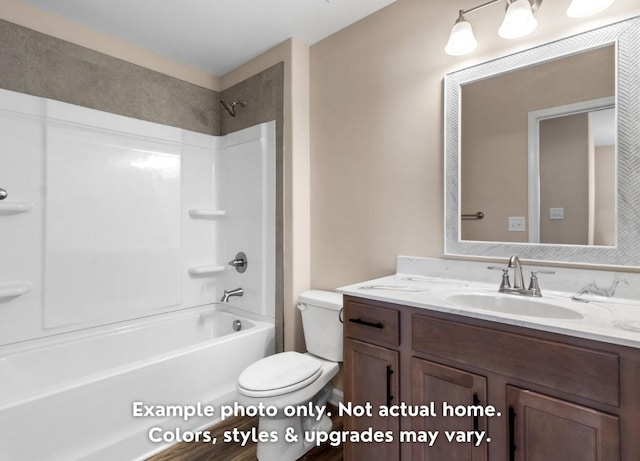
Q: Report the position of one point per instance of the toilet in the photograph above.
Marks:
(296, 379)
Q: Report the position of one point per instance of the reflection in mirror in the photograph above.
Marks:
(572, 174)
(488, 151)
(503, 178)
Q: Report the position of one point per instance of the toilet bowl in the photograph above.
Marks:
(295, 384)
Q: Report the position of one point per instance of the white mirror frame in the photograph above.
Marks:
(626, 38)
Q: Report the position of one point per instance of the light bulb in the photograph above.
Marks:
(583, 8)
(461, 41)
(518, 20)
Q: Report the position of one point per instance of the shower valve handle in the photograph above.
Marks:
(239, 262)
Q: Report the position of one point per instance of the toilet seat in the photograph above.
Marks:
(279, 374)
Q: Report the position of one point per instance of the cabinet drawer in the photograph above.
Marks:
(364, 321)
(588, 373)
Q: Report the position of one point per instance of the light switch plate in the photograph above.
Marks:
(556, 213)
(516, 224)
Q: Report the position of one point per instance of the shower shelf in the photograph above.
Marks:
(15, 207)
(205, 270)
(10, 290)
(206, 213)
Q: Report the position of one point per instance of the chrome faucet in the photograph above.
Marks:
(229, 293)
(518, 280)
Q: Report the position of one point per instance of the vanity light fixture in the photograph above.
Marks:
(518, 21)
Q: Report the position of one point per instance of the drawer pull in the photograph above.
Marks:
(476, 422)
(512, 434)
(367, 324)
(389, 396)
(476, 419)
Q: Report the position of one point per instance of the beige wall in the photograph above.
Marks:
(377, 130)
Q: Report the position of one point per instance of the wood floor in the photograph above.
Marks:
(235, 452)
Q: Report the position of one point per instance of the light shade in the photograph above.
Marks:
(461, 41)
(518, 20)
(583, 8)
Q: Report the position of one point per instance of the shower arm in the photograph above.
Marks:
(231, 107)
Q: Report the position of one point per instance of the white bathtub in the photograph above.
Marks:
(71, 397)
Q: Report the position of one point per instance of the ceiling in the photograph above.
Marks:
(215, 36)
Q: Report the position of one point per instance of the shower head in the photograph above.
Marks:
(231, 107)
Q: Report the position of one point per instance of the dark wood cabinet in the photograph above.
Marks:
(371, 378)
(557, 397)
(434, 384)
(544, 428)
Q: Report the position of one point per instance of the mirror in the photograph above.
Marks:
(502, 120)
(506, 125)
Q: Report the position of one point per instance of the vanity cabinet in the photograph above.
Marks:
(373, 372)
(432, 382)
(557, 397)
(542, 427)
(371, 377)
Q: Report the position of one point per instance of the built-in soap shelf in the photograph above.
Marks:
(206, 213)
(206, 270)
(15, 207)
(10, 290)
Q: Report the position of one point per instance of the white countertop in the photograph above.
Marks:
(611, 320)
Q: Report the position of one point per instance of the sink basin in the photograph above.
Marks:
(514, 305)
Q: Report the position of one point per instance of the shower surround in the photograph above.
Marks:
(113, 224)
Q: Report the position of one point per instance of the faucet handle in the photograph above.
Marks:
(542, 271)
(533, 283)
(505, 283)
(239, 262)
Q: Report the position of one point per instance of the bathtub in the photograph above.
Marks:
(71, 396)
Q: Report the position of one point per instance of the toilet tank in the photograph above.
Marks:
(321, 321)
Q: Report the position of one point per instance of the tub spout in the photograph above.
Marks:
(229, 293)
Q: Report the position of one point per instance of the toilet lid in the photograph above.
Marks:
(279, 374)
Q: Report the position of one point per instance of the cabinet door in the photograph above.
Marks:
(543, 428)
(370, 376)
(435, 383)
